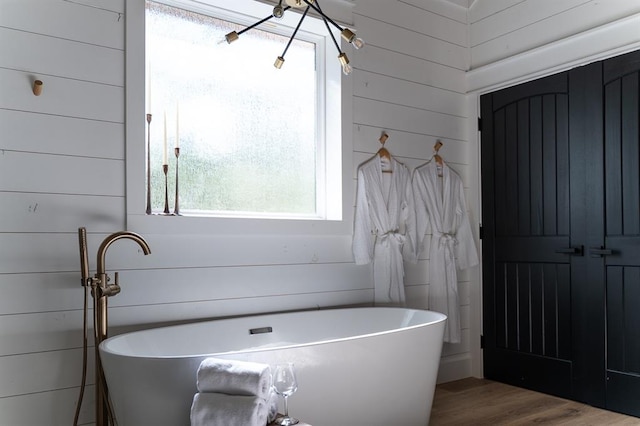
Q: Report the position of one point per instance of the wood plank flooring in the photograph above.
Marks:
(483, 402)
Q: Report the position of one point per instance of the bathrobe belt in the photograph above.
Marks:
(393, 241)
(393, 236)
(448, 241)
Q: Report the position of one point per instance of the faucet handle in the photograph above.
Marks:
(112, 289)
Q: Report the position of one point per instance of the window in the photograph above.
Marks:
(251, 137)
(333, 190)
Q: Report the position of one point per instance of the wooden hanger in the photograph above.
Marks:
(437, 157)
(384, 154)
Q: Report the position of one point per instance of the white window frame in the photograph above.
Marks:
(337, 133)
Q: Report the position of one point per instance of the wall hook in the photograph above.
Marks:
(37, 87)
(436, 156)
(383, 137)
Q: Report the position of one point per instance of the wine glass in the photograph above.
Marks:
(285, 384)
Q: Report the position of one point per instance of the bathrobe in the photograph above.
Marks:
(384, 226)
(441, 209)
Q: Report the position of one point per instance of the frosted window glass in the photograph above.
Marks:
(247, 131)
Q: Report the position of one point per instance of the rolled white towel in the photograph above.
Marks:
(218, 409)
(234, 377)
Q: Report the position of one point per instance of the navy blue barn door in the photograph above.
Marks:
(561, 234)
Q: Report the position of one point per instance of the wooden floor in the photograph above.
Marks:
(483, 402)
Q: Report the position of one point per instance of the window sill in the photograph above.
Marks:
(161, 224)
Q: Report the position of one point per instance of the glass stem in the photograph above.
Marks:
(286, 408)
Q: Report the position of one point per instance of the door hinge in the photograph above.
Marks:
(481, 233)
(479, 124)
(482, 341)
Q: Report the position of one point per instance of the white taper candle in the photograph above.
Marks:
(177, 125)
(164, 151)
(149, 88)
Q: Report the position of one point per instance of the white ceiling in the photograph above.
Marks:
(463, 3)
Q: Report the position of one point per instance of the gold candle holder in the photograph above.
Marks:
(176, 209)
(148, 164)
(165, 170)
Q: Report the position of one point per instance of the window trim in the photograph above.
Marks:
(339, 128)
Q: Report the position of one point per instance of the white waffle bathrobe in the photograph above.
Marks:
(440, 207)
(384, 228)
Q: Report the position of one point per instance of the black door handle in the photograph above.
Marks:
(570, 250)
(599, 252)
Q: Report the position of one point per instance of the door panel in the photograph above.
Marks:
(527, 219)
(529, 318)
(623, 344)
(623, 299)
(622, 238)
(531, 166)
(621, 156)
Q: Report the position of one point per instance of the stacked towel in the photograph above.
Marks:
(233, 393)
(213, 409)
(234, 377)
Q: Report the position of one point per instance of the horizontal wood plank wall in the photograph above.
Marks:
(504, 28)
(409, 81)
(62, 166)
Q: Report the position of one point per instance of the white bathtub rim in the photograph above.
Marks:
(105, 346)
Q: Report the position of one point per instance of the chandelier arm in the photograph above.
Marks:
(304, 15)
(317, 9)
(262, 21)
(330, 32)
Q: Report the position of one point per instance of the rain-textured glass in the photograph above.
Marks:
(247, 131)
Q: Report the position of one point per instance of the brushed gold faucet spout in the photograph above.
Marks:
(102, 251)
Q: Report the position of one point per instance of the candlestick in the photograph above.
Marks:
(165, 169)
(164, 149)
(148, 164)
(176, 209)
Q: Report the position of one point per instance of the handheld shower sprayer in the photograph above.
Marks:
(84, 256)
(84, 272)
(101, 290)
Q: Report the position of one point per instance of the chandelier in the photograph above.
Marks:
(278, 12)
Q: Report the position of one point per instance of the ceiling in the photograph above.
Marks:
(463, 3)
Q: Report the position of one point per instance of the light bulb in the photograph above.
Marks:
(278, 11)
(358, 43)
(344, 61)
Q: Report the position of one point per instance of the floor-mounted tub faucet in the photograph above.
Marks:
(101, 290)
(101, 281)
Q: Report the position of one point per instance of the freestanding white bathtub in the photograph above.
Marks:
(359, 366)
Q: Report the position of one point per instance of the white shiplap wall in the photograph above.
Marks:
(62, 166)
(512, 41)
(503, 28)
(409, 81)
